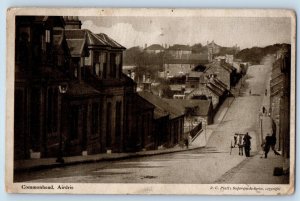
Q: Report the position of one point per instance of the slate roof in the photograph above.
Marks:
(109, 41)
(224, 65)
(215, 89)
(219, 83)
(140, 104)
(202, 107)
(81, 89)
(161, 106)
(92, 39)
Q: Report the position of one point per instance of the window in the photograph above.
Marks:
(75, 72)
(74, 122)
(95, 118)
(60, 60)
(108, 125)
(47, 36)
(43, 42)
(118, 65)
(52, 110)
(103, 64)
(97, 69)
(118, 118)
(112, 70)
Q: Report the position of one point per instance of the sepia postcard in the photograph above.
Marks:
(150, 101)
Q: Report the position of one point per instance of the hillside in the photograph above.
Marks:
(255, 54)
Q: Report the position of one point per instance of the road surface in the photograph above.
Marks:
(200, 166)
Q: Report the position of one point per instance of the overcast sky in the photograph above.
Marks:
(245, 32)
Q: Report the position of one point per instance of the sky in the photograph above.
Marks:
(246, 32)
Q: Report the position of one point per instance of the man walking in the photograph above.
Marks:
(273, 143)
(247, 144)
(266, 145)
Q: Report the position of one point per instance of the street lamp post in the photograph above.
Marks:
(62, 90)
(261, 127)
(205, 133)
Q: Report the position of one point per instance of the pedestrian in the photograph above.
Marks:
(266, 145)
(273, 143)
(240, 145)
(235, 140)
(250, 91)
(186, 142)
(247, 144)
(263, 110)
(266, 92)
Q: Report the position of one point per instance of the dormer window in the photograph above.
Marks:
(102, 65)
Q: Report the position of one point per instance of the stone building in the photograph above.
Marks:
(205, 87)
(199, 110)
(223, 72)
(172, 131)
(71, 97)
(280, 99)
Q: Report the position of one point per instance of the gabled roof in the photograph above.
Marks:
(155, 47)
(161, 105)
(92, 40)
(228, 67)
(224, 65)
(202, 107)
(215, 89)
(212, 44)
(140, 104)
(109, 41)
(218, 83)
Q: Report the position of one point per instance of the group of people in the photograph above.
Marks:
(243, 143)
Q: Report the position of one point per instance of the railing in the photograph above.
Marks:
(195, 130)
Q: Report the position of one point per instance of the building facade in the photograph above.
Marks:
(71, 96)
(280, 99)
